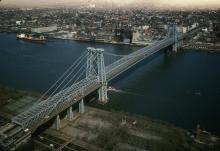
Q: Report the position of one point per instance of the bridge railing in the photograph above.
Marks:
(44, 108)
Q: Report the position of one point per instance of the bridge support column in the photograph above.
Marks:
(70, 114)
(174, 34)
(181, 43)
(95, 58)
(175, 47)
(57, 123)
(103, 98)
(178, 44)
(81, 106)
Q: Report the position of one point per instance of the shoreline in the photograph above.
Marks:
(140, 130)
(210, 47)
(99, 129)
(17, 96)
(87, 40)
(197, 47)
(206, 47)
(102, 42)
(214, 51)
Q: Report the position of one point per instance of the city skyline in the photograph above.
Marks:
(172, 4)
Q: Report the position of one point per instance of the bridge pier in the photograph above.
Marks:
(103, 98)
(57, 123)
(69, 115)
(181, 43)
(174, 47)
(173, 33)
(81, 106)
(178, 45)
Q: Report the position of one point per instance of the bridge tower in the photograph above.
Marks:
(96, 67)
(174, 34)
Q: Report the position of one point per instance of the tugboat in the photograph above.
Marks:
(111, 89)
(31, 38)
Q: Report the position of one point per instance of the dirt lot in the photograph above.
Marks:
(102, 130)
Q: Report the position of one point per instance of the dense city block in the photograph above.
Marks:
(137, 26)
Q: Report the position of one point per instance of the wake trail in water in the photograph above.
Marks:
(127, 92)
(149, 98)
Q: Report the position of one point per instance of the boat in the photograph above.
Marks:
(111, 89)
(31, 38)
(198, 93)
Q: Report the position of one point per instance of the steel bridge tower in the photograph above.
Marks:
(96, 67)
(174, 34)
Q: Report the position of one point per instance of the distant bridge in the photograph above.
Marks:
(86, 75)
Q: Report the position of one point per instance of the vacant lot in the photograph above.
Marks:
(105, 130)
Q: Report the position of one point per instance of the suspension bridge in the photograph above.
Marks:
(90, 72)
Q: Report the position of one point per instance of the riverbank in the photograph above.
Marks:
(217, 51)
(207, 47)
(105, 42)
(136, 44)
(100, 130)
(9, 95)
(13, 102)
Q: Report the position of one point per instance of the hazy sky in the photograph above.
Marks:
(155, 3)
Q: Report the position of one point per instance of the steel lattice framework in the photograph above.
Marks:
(97, 76)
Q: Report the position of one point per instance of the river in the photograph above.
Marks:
(183, 89)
